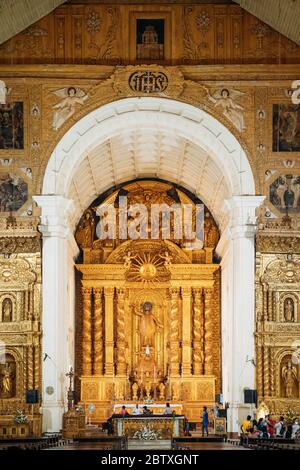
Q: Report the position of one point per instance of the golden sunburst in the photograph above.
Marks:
(147, 268)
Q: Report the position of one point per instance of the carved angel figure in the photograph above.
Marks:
(232, 110)
(66, 107)
(128, 259)
(289, 375)
(167, 259)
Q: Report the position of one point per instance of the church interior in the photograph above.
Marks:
(167, 104)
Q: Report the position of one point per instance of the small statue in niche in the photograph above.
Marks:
(176, 391)
(149, 324)
(67, 106)
(7, 309)
(7, 381)
(85, 231)
(289, 376)
(134, 391)
(289, 310)
(162, 389)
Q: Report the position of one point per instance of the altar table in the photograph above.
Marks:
(167, 426)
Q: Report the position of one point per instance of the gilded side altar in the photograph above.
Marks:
(149, 314)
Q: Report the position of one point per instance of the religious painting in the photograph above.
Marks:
(286, 128)
(285, 193)
(150, 39)
(11, 126)
(13, 192)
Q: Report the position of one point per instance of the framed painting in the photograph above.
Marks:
(12, 126)
(286, 128)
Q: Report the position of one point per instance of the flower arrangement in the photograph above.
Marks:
(146, 433)
(20, 417)
(291, 415)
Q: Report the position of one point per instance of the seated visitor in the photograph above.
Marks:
(260, 424)
(254, 432)
(136, 410)
(146, 411)
(246, 426)
(167, 410)
(123, 411)
(280, 427)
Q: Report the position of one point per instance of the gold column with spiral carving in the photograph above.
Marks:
(272, 373)
(98, 332)
(174, 332)
(198, 355)
(36, 365)
(208, 332)
(259, 369)
(30, 367)
(186, 331)
(87, 332)
(109, 330)
(121, 360)
(266, 372)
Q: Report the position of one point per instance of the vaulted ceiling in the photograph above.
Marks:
(282, 15)
(136, 153)
(17, 15)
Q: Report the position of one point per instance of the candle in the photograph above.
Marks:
(154, 375)
(142, 375)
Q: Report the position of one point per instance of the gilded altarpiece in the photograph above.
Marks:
(278, 315)
(20, 316)
(149, 314)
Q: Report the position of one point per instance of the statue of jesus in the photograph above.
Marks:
(148, 324)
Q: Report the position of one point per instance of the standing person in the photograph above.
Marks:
(280, 427)
(295, 429)
(270, 423)
(215, 411)
(204, 421)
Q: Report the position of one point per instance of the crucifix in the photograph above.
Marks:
(71, 376)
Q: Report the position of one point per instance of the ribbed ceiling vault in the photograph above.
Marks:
(282, 15)
(17, 15)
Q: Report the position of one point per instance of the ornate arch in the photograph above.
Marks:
(115, 88)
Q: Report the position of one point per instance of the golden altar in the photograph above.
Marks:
(162, 426)
(148, 312)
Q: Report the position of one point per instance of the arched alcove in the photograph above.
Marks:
(156, 138)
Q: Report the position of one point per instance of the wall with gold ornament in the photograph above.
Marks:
(169, 34)
(277, 315)
(54, 97)
(20, 316)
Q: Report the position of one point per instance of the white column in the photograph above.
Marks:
(59, 251)
(238, 305)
